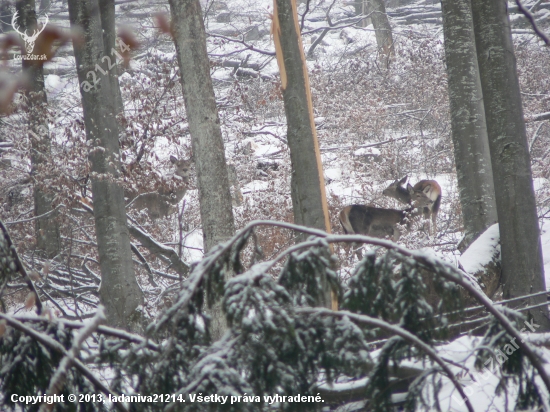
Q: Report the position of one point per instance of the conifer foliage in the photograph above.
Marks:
(279, 341)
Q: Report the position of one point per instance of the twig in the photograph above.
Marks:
(531, 18)
(248, 46)
(36, 217)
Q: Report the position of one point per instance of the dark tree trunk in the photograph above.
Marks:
(119, 290)
(522, 269)
(206, 138)
(469, 131)
(48, 239)
(309, 201)
(107, 11)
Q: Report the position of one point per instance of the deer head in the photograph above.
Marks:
(29, 40)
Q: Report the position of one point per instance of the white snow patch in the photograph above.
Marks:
(333, 173)
(481, 251)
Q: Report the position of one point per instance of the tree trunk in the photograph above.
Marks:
(309, 200)
(469, 132)
(44, 6)
(107, 11)
(48, 240)
(382, 30)
(362, 7)
(522, 269)
(119, 290)
(206, 138)
(204, 122)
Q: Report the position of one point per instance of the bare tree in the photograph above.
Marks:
(522, 268)
(204, 126)
(469, 131)
(309, 201)
(48, 239)
(119, 290)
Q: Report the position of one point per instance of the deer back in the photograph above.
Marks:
(374, 221)
(432, 190)
(426, 193)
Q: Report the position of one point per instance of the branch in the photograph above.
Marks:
(155, 247)
(53, 344)
(12, 257)
(60, 376)
(537, 117)
(248, 46)
(101, 329)
(396, 330)
(531, 18)
(451, 273)
(36, 217)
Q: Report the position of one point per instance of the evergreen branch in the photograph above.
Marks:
(396, 330)
(60, 376)
(58, 347)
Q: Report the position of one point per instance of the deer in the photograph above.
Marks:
(410, 194)
(378, 222)
(164, 201)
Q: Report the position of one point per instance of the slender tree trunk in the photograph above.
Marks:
(522, 269)
(206, 138)
(382, 30)
(48, 239)
(309, 201)
(362, 7)
(44, 5)
(204, 122)
(469, 131)
(107, 11)
(119, 290)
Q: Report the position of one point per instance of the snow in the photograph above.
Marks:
(481, 251)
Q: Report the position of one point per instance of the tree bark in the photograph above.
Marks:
(469, 131)
(119, 290)
(204, 123)
(48, 240)
(382, 30)
(522, 269)
(107, 11)
(206, 137)
(309, 201)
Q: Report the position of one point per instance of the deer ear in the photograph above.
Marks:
(410, 189)
(427, 189)
(402, 181)
(173, 159)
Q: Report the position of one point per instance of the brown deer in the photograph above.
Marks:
(163, 202)
(410, 194)
(378, 222)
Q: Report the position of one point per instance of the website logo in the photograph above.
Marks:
(29, 40)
